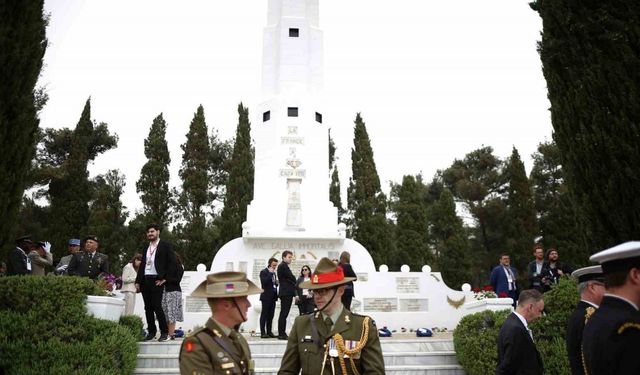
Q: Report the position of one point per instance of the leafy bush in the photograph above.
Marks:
(134, 324)
(475, 341)
(475, 337)
(44, 329)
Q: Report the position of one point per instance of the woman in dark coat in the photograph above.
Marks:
(305, 296)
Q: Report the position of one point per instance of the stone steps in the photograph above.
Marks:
(430, 356)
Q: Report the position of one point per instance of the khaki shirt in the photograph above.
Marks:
(208, 351)
(304, 354)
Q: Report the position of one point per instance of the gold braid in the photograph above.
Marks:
(628, 325)
(350, 352)
(588, 313)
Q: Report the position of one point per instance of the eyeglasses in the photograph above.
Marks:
(306, 269)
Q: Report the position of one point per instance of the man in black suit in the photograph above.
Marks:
(286, 293)
(591, 288)
(89, 263)
(611, 336)
(157, 259)
(517, 353)
(19, 263)
(269, 296)
(536, 269)
(349, 293)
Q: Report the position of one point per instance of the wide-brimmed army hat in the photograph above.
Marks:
(326, 275)
(226, 285)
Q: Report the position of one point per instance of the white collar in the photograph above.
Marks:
(622, 298)
(523, 320)
(590, 303)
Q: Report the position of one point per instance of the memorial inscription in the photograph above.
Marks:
(414, 304)
(406, 285)
(196, 305)
(381, 304)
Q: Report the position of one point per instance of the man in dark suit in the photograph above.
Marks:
(268, 297)
(517, 353)
(157, 259)
(591, 289)
(19, 263)
(503, 278)
(349, 293)
(611, 336)
(286, 293)
(89, 263)
(536, 269)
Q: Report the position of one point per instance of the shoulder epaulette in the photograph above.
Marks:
(628, 325)
(195, 332)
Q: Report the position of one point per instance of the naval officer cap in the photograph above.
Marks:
(619, 258)
(592, 273)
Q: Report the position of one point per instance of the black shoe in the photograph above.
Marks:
(264, 336)
(271, 335)
(150, 336)
(163, 337)
(283, 337)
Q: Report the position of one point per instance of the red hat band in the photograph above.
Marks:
(329, 277)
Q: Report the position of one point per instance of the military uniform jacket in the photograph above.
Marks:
(208, 351)
(80, 265)
(304, 354)
(575, 326)
(611, 339)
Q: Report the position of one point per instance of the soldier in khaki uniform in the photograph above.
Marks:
(333, 340)
(218, 348)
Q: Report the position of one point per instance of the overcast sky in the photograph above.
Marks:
(433, 80)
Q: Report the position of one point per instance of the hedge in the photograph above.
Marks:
(44, 329)
(475, 337)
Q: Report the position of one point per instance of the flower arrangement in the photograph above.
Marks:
(109, 282)
(484, 293)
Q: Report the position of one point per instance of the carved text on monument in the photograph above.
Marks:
(381, 304)
(414, 304)
(196, 305)
(407, 285)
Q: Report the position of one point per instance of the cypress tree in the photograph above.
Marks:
(521, 223)
(194, 241)
(590, 57)
(450, 242)
(22, 46)
(239, 191)
(153, 184)
(411, 229)
(366, 201)
(107, 218)
(334, 187)
(70, 190)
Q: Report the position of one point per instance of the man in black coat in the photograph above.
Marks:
(611, 336)
(517, 353)
(591, 289)
(286, 293)
(349, 293)
(269, 296)
(157, 259)
(89, 263)
(19, 263)
(536, 269)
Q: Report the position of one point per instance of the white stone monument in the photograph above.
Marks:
(291, 209)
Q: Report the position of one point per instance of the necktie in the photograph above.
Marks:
(508, 269)
(329, 323)
(530, 334)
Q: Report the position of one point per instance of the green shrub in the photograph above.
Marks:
(475, 341)
(44, 329)
(134, 324)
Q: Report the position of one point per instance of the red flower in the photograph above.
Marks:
(476, 290)
(503, 295)
(488, 288)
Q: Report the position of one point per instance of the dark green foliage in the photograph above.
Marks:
(590, 52)
(475, 340)
(366, 202)
(521, 221)
(334, 193)
(195, 243)
(561, 222)
(134, 324)
(450, 242)
(411, 229)
(70, 190)
(153, 184)
(107, 219)
(44, 329)
(239, 192)
(22, 46)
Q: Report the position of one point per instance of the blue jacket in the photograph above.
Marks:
(499, 280)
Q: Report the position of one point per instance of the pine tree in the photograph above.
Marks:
(366, 201)
(561, 222)
(194, 241)
(153, 184)
(70, 190)
(107, 219)
(521, 221)
(239, 191)
(22, 47)
(450, 242)
(589, 52)
(411, 229)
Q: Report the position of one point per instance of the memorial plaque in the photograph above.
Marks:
(185, 283)
(196, 305)
(362, 276)
(414, 304)
(243, 267)
(381, 304)
(406, 285)
(258, 265)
